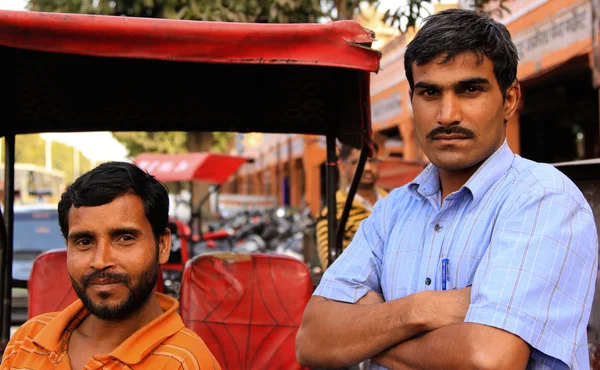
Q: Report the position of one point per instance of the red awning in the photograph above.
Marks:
(336, 44)
(209, 167)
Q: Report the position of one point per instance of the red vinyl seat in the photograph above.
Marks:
(246, 307)
(49, 287)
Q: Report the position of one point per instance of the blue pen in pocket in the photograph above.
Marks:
(445, 263)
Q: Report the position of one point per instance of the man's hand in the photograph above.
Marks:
(337, 334)
(445, 307)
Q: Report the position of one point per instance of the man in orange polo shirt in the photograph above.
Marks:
(114, 219)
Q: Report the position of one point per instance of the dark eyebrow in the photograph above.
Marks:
(80, 235)
(113, 233)
(471, 82)
(125, 230)
(426, 86)
(457, 85)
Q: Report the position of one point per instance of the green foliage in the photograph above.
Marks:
(156, 142)
(261, 11)
(408, 14)
(32, 149)
(221, 142)
(63, 159)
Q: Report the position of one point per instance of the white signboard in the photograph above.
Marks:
(559, 31)
(387, 108)
(230, 204)
(467, 4)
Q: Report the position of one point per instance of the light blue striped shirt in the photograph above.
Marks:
(519, 231)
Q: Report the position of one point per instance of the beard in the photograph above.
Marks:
(138, 294)
(367, 184)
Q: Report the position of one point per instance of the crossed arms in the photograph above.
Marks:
(422, 331)
(541, 260)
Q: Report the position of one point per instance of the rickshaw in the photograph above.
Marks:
(195, 76)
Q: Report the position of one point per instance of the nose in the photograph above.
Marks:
(449, 111)
(367, 166)
(102, 258)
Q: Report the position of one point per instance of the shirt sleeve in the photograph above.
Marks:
(537, 279)
(357, 271)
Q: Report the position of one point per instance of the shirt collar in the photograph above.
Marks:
(133, 350)
(490, 172)
(362, 202)
(55, 335)
(427, 183)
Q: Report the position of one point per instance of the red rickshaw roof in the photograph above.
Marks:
(337, 44)
(209, 167)
(75, 72)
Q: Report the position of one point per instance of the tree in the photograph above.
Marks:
(262, 11)
(157, 142)
(31, 149)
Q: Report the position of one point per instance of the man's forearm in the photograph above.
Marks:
(458, 346)
(335, 334)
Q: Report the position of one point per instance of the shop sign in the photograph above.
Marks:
(467, 4)
(558, 32)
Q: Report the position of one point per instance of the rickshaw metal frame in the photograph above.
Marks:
(301, 78)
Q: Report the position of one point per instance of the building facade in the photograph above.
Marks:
(558, 119)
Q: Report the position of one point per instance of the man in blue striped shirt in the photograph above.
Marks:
(486, 259)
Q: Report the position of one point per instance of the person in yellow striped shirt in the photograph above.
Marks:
(367, 194)
(114, 219)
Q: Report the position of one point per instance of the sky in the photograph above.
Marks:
(13, 4)
(97, 146)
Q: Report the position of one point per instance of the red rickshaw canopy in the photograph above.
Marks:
(209, 167)
(335, 44)
(78, 72)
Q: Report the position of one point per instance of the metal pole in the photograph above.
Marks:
(596, 49)
(7, 252)
(331, 169)
(362, 160)
(278, 175)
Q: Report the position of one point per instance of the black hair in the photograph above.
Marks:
(454, 31)
(110, 180)
(346, 150)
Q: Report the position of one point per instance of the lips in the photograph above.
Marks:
(450, 137)
(104, 281)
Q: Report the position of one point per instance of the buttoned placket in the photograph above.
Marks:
(433, 246)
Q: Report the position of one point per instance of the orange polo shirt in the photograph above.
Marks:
(165, 343)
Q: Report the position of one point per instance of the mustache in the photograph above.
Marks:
(120, 278)
(450, 131)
